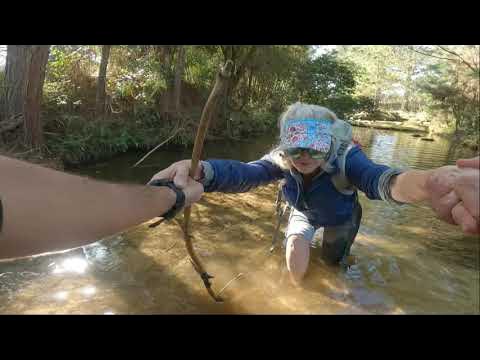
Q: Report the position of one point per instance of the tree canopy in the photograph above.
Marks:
(104, 98)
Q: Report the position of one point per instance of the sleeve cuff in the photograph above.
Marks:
(384, 188)
(207, 174)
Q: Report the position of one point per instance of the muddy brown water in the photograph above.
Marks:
(407, 261)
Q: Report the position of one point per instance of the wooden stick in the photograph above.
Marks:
(218, 89)
(156, 147)
(228, 284)
(171, 246)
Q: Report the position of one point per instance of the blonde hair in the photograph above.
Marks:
(298, 110)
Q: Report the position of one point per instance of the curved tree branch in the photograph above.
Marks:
(208, 111)
(430, 55)
(457, 55)
(445, 58)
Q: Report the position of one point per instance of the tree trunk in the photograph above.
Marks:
(36, 63)
(102, 79)
(226, 112)
(165, 54)
(240, 61)
(179, 70)
(405, 106)
(15, 75)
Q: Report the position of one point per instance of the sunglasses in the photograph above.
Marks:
(296, 153)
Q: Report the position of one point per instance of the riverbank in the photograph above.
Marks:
(389, 125)
(420, 123)
(73, 140)
(32, 156)
(70, 142)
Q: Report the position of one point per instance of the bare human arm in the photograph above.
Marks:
(46, 210)
(411, 186)
(467, 188)
(452, 192)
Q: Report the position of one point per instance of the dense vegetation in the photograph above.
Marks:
(83, 103)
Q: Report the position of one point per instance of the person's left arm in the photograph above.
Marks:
(371, 178)
(394, 185)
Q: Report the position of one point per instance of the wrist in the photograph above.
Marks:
(202, 171)
(175, 197)
(411, 186)
(168, 196)
(388, 188)
(425, 177)
(207, 173)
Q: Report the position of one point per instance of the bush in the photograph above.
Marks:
(345, 106)
(75, 140)
(364, 104)
(244, 124)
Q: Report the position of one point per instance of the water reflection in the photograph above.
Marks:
(73, 265)
(383, 148)
(88, 290)
(61, 295)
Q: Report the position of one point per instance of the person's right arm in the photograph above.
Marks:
(224, 175)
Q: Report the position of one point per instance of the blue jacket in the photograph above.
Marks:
(321, 202)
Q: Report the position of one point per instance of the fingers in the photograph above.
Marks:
(467, 188)
(463, 218)
(178, 172)
(471, 163)
(167, 173)
(193, 191)
(443, 206)
(181, 175)
(441, 181)
(198, 172)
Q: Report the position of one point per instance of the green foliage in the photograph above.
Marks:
(330, 81)
(327, 77)
(442, 81)
(253, 123)
(270, 79)
(201, 66)
(70, 83)
(75, 140)
(140, 79)
(386, 74)
(453, 88)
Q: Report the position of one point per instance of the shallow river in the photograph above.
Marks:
(407, 261)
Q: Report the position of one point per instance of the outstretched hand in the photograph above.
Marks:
(179, 172)
(467, 188)
(440, 186)
(473, 163)
(454, 194)
(193, 191)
